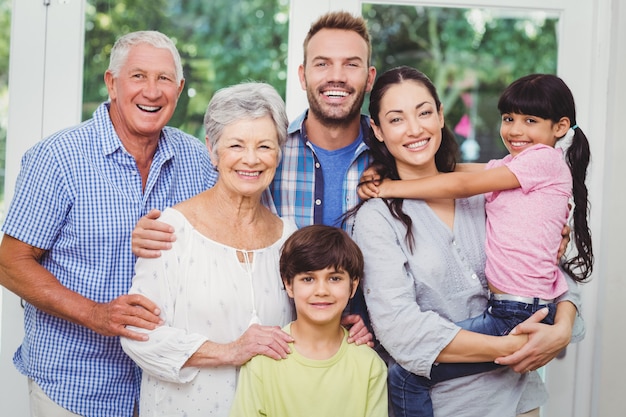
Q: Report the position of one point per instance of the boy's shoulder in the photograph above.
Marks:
(364, 353)
(357, 353)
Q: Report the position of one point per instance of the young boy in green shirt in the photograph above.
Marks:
(324, 375)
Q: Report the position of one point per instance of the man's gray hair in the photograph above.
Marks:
(245, 101)
(121, 48)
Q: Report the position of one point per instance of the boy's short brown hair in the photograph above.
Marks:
(317, 247)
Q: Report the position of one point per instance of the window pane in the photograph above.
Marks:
(221, 42)
(5, 31)
(471, 55)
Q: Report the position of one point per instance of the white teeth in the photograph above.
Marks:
(519, 143)
(149, 108)
(417, 144)
(335, 93)
(249, 174)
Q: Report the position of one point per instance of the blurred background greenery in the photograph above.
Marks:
(470, 54)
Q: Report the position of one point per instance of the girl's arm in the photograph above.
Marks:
(370, 180)
(470, 167)
(451, 185)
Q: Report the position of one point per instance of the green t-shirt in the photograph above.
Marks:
(352, 383)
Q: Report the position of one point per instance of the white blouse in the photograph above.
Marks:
(204, 293)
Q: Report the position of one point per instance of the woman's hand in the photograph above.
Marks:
(358, 334)
(151, 236)
(565, 238)
(270, 341)
(544, 342)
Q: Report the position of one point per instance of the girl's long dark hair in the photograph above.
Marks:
(445, 157)
(548, 97)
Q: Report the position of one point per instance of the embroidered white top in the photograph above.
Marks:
(204, 293)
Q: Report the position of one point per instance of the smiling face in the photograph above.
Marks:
(336, 75)
(321, 296)
(521, 131)
(410, 127)
(247, 155)
(144, 94)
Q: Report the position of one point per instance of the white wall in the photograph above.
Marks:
(609, 361)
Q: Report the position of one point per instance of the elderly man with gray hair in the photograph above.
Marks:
(66, 249)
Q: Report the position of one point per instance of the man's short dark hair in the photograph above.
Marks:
(343, 21)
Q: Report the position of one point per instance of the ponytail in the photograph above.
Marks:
(577, 156)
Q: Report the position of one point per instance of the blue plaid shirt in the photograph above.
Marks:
(78, 196)
(298, 187)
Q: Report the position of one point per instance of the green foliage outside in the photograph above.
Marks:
(5, 31)
(224, 42)
(221, 42)
(465, 51)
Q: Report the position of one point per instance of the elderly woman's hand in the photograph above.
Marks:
(270, 341)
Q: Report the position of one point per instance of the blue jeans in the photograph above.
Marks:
(410, 393)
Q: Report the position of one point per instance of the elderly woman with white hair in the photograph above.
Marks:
(219, 289)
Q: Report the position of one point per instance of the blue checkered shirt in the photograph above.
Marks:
(78, 196)
(298, 187)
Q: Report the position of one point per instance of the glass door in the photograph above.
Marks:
(221, 42)
(470, 54)
(5, 31)
(472, 50)
(59, 53)
(49, 51)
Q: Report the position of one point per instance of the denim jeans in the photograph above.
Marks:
(409, 393)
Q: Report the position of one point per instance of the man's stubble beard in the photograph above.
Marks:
(327, 118)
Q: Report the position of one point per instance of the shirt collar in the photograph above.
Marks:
(111, 142)
(297, 125)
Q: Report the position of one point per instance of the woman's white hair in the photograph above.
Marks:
(245, 101)
(119, 52)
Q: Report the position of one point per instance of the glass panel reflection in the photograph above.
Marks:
(221, 42)
(5, 33)
(471, 55)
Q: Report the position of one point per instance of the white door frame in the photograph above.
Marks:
(45, 95)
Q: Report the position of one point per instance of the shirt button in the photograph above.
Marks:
(474, 276)
(317, 165)
(318, 202)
